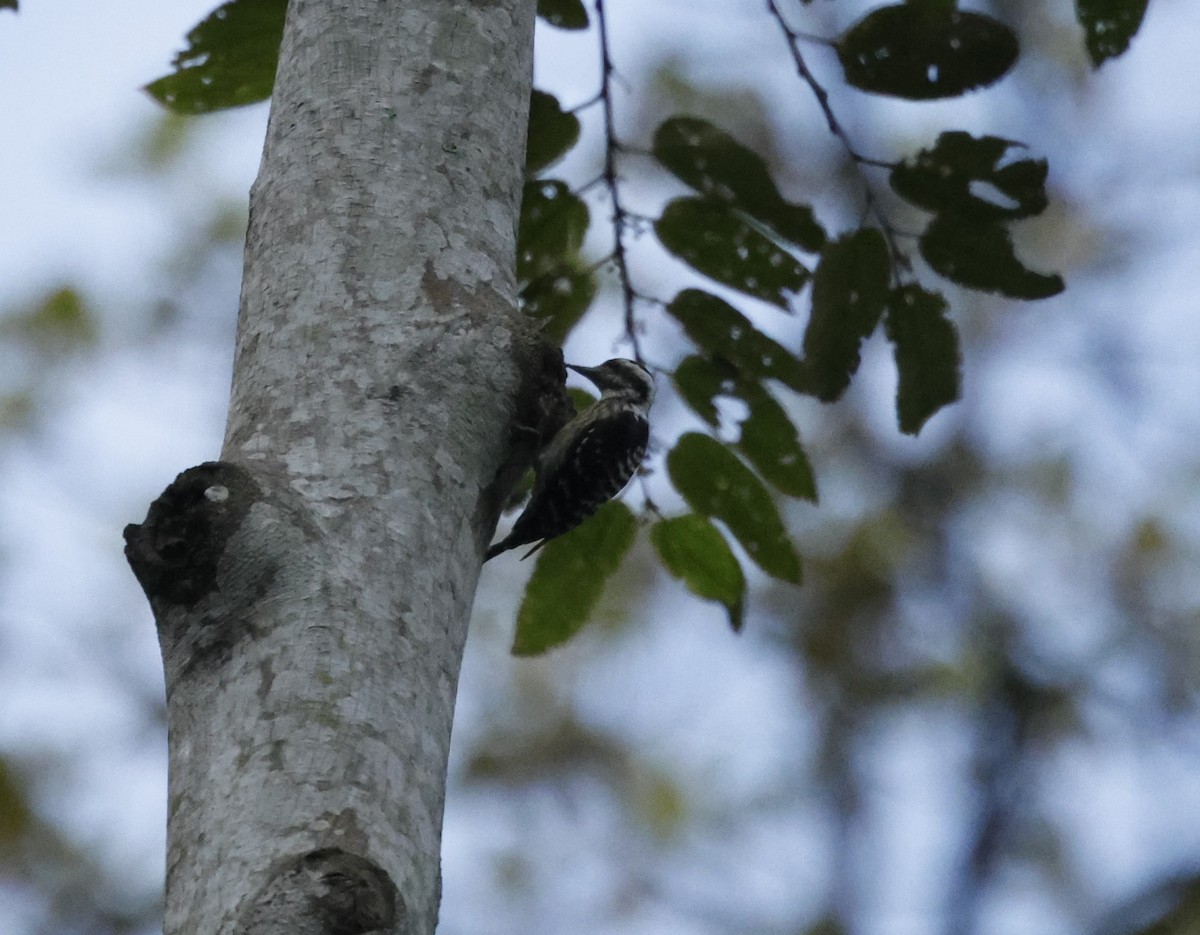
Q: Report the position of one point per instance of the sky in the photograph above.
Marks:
(1107, 375)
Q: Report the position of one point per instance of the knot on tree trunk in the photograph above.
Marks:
(175, 552)
(325, 892)
(215, 543)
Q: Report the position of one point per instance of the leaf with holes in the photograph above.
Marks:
(722, 169)
(924, 51)
(770, 442)
(552, 227)
(927, 355)
(569, 578)
(552, 132)
(711, 238)
(850, 290)
(564, 14)
(768, 439)
(559, 297)
(229, 61)
(693, 549)
(1109, 26)
(955, 174)
(700, 380)
(715, 483)
(979, 255)
(725, 333)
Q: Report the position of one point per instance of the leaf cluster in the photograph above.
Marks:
(756, 255)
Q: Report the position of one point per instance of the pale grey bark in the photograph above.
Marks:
(312, 590)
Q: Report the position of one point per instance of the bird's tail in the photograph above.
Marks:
(493, 551)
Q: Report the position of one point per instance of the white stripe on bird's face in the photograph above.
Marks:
(623, 377)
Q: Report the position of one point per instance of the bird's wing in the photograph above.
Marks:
(598, 461)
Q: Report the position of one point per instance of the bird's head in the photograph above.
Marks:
(621, 377)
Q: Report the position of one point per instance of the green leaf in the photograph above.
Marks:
(15, 817)
(564, 14)
(1109, 26)
(8, 5)
(711, 238)
(552, 226)
(948, 177)
(569, 578)
(693, 549)
(700, 380)
(724, 332)
(715, 483)
(927, 355)
(58, 323)
(559, 296)
(722, 169)
(230, 59)
(771, 443)
(849, 294)
(924, 51)
(979, 254)
(768, 439)
(552, 132)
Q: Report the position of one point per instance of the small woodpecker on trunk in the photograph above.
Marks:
(591, 458)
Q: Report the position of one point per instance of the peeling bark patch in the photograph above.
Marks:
(266, 678)
(445, 295)
(326, 892)
(174, 553)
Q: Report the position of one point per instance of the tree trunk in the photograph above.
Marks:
(312, 589)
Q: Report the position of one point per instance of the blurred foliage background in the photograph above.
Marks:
(977, 714)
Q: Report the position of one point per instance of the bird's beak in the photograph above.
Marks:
(584, 371)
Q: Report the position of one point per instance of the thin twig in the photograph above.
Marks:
(648, 504)
(588, 186)
(584, 105)
(620, 217)
(794, 38)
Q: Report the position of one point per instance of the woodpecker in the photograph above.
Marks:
(591, 458)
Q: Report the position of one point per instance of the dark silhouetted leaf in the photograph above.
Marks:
(768, 439)
(1109, 26)
(849, 293)
(552, 132)
(565, 14)
(552, 226)
(700, 380)
(979, 254)
(715, 483)
(560, 296)
(927, 355)
(957, 172)
(58, 323)
(771, 443)
(569, 578)
(712, 239)
(724, 332)
(722, 169)
(693, 549)
(229, 61)
(8, 5)
(923, 51)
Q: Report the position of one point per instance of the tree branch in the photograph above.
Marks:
(900, 260)
(620, 217)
